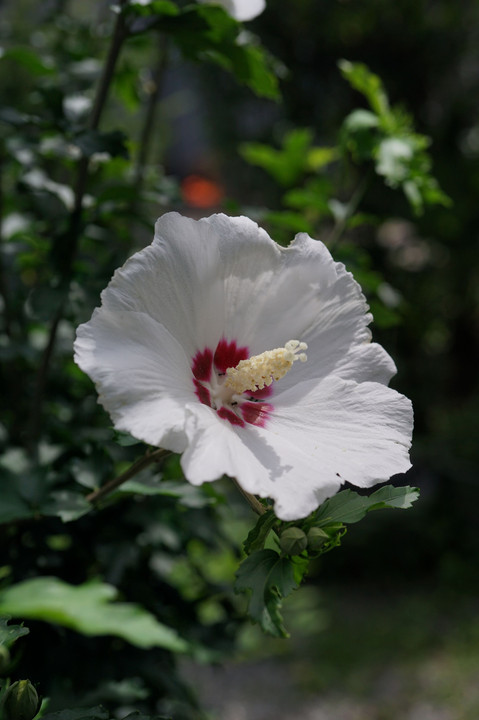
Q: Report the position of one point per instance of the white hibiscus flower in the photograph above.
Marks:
(165, 350)
(241, 10)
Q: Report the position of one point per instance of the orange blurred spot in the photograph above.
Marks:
(201, 193)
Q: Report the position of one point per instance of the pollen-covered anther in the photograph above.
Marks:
(260, 370)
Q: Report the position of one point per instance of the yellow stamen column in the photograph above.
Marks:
(259, 371)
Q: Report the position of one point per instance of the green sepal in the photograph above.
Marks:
(257, 536)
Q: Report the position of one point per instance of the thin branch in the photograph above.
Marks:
(150, 114)
(120, 33)
(7, 313)
(137, 467)
(253, 501)
(351, 208)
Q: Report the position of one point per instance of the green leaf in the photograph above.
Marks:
(335, 532)
(366, 82)
(251, 66)
(66, 504)
(319, 157)
(300, 567)
(286, 165)
(290, 220)
(387, 137)
(142, 8)
(359, 134)
(257, 536)
(209, 33)
(313, 196)
(29, 59)
(268, 578)
(88, 609)
(384, 317)
(10, 633)
(148, 484)
(350, 507)
(123, 438)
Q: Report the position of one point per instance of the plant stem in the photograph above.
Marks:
(137, 467)
(120, 33)
(351, 208)
(150, 114)
(253, 501)
(3, 281)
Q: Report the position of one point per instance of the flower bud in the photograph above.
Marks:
(316, 537)
(21, 701)
(293, 541)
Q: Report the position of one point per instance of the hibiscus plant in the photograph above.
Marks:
(215, 353)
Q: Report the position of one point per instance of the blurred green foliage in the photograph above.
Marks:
(83, 171)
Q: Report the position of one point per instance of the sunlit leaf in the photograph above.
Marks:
(385, 135)
(319, 157)
(287, 164)
(89, 609)
(366, 82)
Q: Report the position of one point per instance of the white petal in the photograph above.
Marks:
(368, 361)
(215, 449)
(241, 10)
(244, 10)
(360, 433)
(225, 277)
(314, 299)
(195, 276)
(317, 438)
(267, 295)
(170, 281)
(141, 373)
(248, 289)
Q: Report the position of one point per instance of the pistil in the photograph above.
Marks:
(259, 371)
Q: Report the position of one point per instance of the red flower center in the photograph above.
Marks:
(209, 372)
